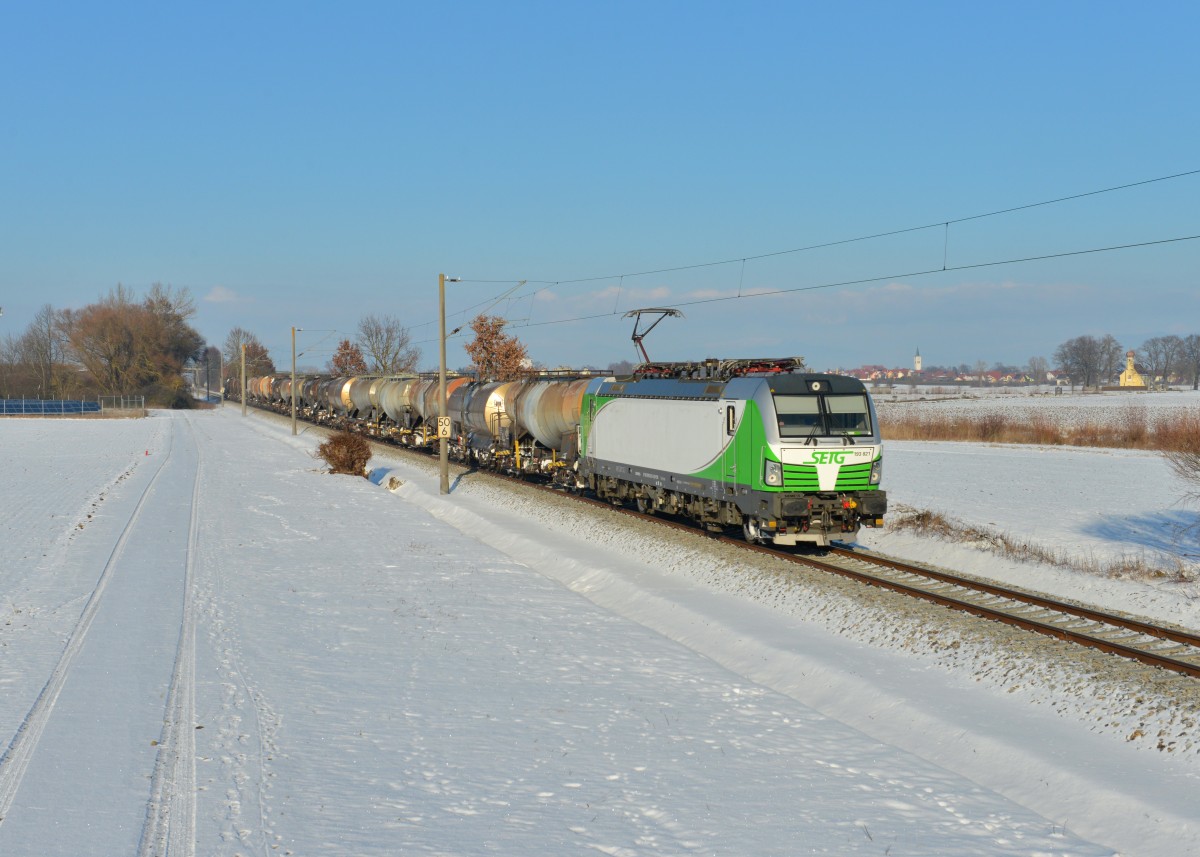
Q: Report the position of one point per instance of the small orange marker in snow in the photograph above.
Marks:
(147, 452)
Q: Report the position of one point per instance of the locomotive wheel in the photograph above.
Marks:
(645, 506)
(750, 531)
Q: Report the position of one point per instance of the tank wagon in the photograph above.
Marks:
(789, 456)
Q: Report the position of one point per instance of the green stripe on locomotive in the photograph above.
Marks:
(851, 477)
(741, 462)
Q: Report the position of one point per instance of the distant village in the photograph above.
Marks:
(979, 375)
(961, 375)
(1135, 374)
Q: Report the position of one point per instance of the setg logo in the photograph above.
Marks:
(829, 457)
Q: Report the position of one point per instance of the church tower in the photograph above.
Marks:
(917, 362)
(1131, 377)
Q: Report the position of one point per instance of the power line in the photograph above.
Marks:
(860, 282)
(939, 224)
(896, 276)
(943, 225)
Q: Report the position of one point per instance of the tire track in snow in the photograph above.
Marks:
(170, 827)
(15, 761)
(244, 757)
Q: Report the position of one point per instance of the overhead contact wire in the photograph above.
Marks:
(898, 276)
(945, 224)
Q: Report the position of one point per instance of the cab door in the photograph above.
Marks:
(731, 416)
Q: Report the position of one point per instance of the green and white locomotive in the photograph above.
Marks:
(791, 456)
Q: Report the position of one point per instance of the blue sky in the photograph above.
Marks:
(307, 164)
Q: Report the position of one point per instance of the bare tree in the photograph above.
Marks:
(388, 345)
(1161, 355)
(14, 375)
(1081, 359)
(129, 346)
(1186, 464)
(167, 302)
(103, 338)
(1189, 360)
(980, 369)
(258, 360)
(43, 349)
(1111, 359)
(1038, 367)
(495, 355)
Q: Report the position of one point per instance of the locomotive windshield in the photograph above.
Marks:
(824, 415)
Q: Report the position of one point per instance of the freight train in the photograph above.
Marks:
(789, 456)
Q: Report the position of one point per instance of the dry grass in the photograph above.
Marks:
(936, 525)
(345, 452)
(1135, 430)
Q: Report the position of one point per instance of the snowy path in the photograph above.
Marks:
(382, 683)
(75, 776)
(347, 674)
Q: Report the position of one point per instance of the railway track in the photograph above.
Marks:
(1160, 646)
(1157, 645)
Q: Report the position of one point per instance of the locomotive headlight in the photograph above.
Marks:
(876, 471)
(773, 473)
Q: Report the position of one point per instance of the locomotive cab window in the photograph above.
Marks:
(799, 416)
(824, 415)
(848, 414)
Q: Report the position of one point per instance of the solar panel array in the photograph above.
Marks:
(47, 407)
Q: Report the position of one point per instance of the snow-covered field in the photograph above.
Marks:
(214, 648)
(1066, 409)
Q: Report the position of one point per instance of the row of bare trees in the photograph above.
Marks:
(382, 340)
(119, 345)
(1091, 360)
(383, 346)
(1172, 357)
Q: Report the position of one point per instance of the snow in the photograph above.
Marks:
(1068, 410)
(1093, 504)
(391, 671)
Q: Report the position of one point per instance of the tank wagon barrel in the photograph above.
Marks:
(310, 391)
(358, 391)
(375, 393)
(396, 397)
(484, 410)
(549, 410)
(430, 405)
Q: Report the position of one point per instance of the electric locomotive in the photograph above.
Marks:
(791, 456)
